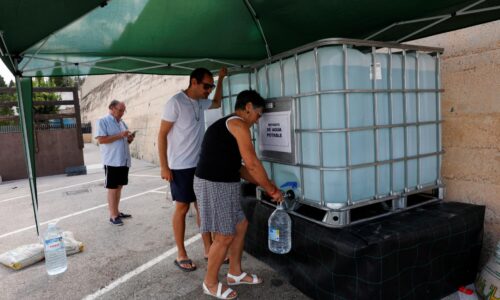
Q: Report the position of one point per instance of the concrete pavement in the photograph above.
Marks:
(134, 261)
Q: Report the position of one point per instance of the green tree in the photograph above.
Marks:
(45, 96)
(67, 81)
(6, 110)
(62, 81)
(38, 81)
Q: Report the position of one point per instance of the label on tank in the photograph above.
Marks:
(378, 71)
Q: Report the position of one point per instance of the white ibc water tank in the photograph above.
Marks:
(289, 77)
(232, 86)
(360, 135)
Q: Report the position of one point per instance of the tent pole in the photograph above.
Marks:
(6, 50)
(257, 22)
(25, 101)
(422, 29)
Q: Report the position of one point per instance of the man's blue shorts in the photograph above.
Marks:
(182, 185)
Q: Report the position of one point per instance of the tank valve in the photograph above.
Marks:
(288, 195)
(288, 190)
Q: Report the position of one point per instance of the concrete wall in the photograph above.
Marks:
(56, 150)
(144, 96)
(470, 73)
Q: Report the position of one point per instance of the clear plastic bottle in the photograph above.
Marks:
(280, 231)
(55, 252)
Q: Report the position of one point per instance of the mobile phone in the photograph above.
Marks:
(135, 131)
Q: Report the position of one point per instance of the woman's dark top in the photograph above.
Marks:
(220, 158)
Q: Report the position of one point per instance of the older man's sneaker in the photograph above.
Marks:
(116, 221)
(123, 216)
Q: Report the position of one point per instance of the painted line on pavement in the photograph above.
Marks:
(139, 270)
(77, 213)
(70, 186)
(159, 192)
(53, 190)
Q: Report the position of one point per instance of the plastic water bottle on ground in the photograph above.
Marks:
(280, 231)
(55, 252)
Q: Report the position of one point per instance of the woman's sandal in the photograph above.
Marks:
(219, 294)
(238, 279)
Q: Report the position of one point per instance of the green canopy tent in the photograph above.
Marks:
(67, 38)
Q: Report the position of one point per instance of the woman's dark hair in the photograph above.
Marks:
(249, 96)
(198, 74)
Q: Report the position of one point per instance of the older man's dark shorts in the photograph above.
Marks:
(182, 185)
(115, 176)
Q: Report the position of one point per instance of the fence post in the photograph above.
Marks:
(76, 102)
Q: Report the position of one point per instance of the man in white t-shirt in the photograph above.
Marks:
(179, 143)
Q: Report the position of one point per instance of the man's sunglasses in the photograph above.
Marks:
(207, 86)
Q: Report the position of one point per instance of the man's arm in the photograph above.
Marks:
(112, 138)
(216, 102)
(102, 134)
(165, 127)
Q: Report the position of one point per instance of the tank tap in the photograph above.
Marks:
(288, 190)
(288, 195)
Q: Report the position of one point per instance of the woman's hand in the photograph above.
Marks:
(275, 194)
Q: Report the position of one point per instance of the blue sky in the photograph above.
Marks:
(7, 76)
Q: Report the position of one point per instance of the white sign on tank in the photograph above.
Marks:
(274, 132)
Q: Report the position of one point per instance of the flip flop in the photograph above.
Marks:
(185, 262)
(226, 261)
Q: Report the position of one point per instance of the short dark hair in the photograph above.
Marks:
(249, 96)
(113, 104)
(198, 74)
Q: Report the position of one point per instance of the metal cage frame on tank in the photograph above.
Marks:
(403, 168)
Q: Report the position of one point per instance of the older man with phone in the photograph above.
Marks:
(114, 139)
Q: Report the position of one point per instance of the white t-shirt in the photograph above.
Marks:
(186, 135)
